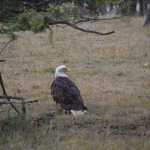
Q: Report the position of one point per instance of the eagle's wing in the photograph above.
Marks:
(57, 91)
(65, 92)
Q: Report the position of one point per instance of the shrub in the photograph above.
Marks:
(9, 8)
(127, 8)
(64, 11)
(31, 21)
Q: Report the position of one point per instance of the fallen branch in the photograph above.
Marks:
(53, 22)
(31, 101)
(11, 97)
(18, 99)
(4, 93)
(18, 102)
(2, 60)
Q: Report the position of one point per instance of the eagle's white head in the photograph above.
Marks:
(61, 71)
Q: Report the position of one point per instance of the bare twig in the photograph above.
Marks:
(3, 48)
(18, 102)
(11, 97)
(51, 35)
(85, 19)
(32, 101)
(53, 22)
(23, 107)
(2, 60)
(4, 93)
(18, 99)
(3, 110)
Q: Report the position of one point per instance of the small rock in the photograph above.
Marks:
(146, 65)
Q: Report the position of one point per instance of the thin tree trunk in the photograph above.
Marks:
(138, 7)
(147, 18)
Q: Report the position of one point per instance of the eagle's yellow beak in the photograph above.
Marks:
(66, 70)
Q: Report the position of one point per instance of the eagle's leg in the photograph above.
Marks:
(59, 108)
(67, 112)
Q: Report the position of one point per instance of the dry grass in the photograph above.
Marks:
(112, 76)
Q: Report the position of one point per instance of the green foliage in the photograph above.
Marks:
(7, 30)
(23, 22)
(92, 4)
(106, 1)
(126, 8)
(64, 11)
(31, 21)
(8, 8)
(56, 11)
(34, 21)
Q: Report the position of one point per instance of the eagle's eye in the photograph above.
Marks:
(65, 70)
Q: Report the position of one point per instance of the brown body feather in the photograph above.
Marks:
(66, 93)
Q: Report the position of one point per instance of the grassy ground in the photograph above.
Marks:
(112, 73)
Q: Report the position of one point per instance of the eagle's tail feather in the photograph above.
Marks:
(78, 112)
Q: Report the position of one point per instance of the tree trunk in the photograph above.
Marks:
(147, 18)
(138, 7)
(141, 7)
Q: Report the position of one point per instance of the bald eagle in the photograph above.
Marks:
(66, 93)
